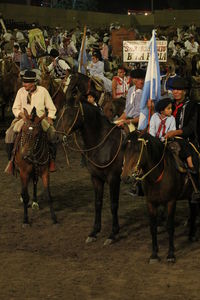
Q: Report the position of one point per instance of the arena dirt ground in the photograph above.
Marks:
(47, 261)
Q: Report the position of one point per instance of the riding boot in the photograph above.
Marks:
(52, 150)
(9, 150)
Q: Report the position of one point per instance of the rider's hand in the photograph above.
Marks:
(170, 134)
(50, 121)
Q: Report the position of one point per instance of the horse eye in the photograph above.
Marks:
(30, 128)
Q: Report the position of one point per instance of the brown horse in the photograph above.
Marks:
(32, 160)
(102, 152)
(162, 183)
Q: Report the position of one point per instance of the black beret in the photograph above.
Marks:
(54, 53)
(179, 83)
(162, 104)
(138, 74)
(93, 94)
(29, 76)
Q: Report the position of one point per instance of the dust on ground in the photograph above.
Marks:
(47, 261)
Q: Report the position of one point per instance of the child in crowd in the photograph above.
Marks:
(162, 122)
(92, 98)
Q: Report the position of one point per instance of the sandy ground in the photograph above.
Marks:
(47, 261)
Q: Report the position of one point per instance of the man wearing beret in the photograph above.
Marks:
(132, 108)
(185, 113)
(28, 97)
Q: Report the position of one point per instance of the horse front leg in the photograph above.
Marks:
(153, 229)
(114, 204)
(45, 180)
(98, 189)
(25, 195)
(35, 204)
(171, 208)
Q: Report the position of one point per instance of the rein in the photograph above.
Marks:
(38, 154)
(79, 149)
(144, 142)
(91, 161)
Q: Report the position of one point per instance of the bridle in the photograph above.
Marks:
(38, 153)
(136, 172)
(79, 149)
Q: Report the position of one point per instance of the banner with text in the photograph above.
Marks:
(137, 51)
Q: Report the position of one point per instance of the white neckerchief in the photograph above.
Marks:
(133, 94)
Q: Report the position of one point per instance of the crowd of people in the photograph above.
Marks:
(175, 114)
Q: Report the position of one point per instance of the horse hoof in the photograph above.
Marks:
(90, 239)
(25, 225)
(35, 206)
(154, 260)
(171, 259)
(108, 242)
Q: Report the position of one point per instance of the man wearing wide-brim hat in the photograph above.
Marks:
(132, 108)
(29, 96)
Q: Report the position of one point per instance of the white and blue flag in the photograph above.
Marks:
(152, 86)
(82, 58)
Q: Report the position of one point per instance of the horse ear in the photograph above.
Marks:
(33, 113)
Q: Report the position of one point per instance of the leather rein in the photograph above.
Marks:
(79, 149)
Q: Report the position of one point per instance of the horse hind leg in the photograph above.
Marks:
(153, 229)
(45, 180)
(25, 197)
(194, 210)
(98, 188)
(170, 228)
(114, 204)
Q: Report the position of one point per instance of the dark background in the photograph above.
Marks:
(112, 6)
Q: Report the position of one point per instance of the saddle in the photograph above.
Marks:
(174, 148)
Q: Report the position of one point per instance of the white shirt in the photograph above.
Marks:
(170, 124)
(40, 99)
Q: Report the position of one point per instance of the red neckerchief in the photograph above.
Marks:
(162, 125)
(177, 106)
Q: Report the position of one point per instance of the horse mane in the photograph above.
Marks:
(95, 113)
(154, 145)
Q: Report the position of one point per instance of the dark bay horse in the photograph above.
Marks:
(162, 183)
(80, 83)
(102, 151)
(32, 160)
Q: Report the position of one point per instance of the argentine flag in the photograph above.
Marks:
(152, 86)
(82, 58)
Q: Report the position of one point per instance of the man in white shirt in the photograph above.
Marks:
(58, 67)
(28, 97)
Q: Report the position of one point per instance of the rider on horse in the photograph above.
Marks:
(29, 96)
(59, 68)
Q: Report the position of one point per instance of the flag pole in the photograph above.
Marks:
(82, 48)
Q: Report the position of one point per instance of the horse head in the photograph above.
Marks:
(32, 133)
(132, 147)
(70, 117)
